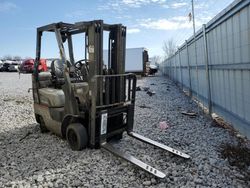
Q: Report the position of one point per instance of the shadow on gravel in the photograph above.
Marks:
(239, 156)
(17, 134)
(26, 150)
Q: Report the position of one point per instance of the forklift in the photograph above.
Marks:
(86, 102)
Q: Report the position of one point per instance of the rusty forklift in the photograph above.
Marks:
(84, 101)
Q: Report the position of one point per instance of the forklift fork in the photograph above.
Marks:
(108, 147)
(133, 160)
(157, 144)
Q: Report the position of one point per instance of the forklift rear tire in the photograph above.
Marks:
(77, 136)
(41, 122)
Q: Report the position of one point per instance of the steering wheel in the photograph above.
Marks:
(82, 68)
(79, 63)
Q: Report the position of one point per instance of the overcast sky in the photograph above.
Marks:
(149, 22)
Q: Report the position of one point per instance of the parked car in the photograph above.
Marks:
(152, 69)
(5, 67)
(28, 66)
(13, 67)
(1, 64)
(43, 65)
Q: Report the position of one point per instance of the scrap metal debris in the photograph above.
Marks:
(144, 106)
(146, 89)
(190, 114)
(7, 99)
(25, 136)
(138, 88)
(19, 102)
(219, 122)
(150, 93)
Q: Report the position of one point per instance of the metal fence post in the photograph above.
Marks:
(180, 68)
(207, 71)
(171, 73)
(169, 69)
(189, 71)
(175, 69)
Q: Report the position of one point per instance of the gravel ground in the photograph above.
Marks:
(30, 159)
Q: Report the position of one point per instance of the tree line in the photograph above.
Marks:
(169, 48)
(10, 57)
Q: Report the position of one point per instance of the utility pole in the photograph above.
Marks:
(192, 1)
(197, 75)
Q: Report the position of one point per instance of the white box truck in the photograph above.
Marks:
(136, 60)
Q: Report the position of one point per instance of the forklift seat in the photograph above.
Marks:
(57, 68)
(52, 97)
(44, 79)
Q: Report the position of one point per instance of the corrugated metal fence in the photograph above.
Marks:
(214, 66)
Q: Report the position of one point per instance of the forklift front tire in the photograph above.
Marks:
(77, 137)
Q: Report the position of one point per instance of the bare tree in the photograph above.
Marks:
(7, 57)
(17, 58)
(156, 59)
(169, 48)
